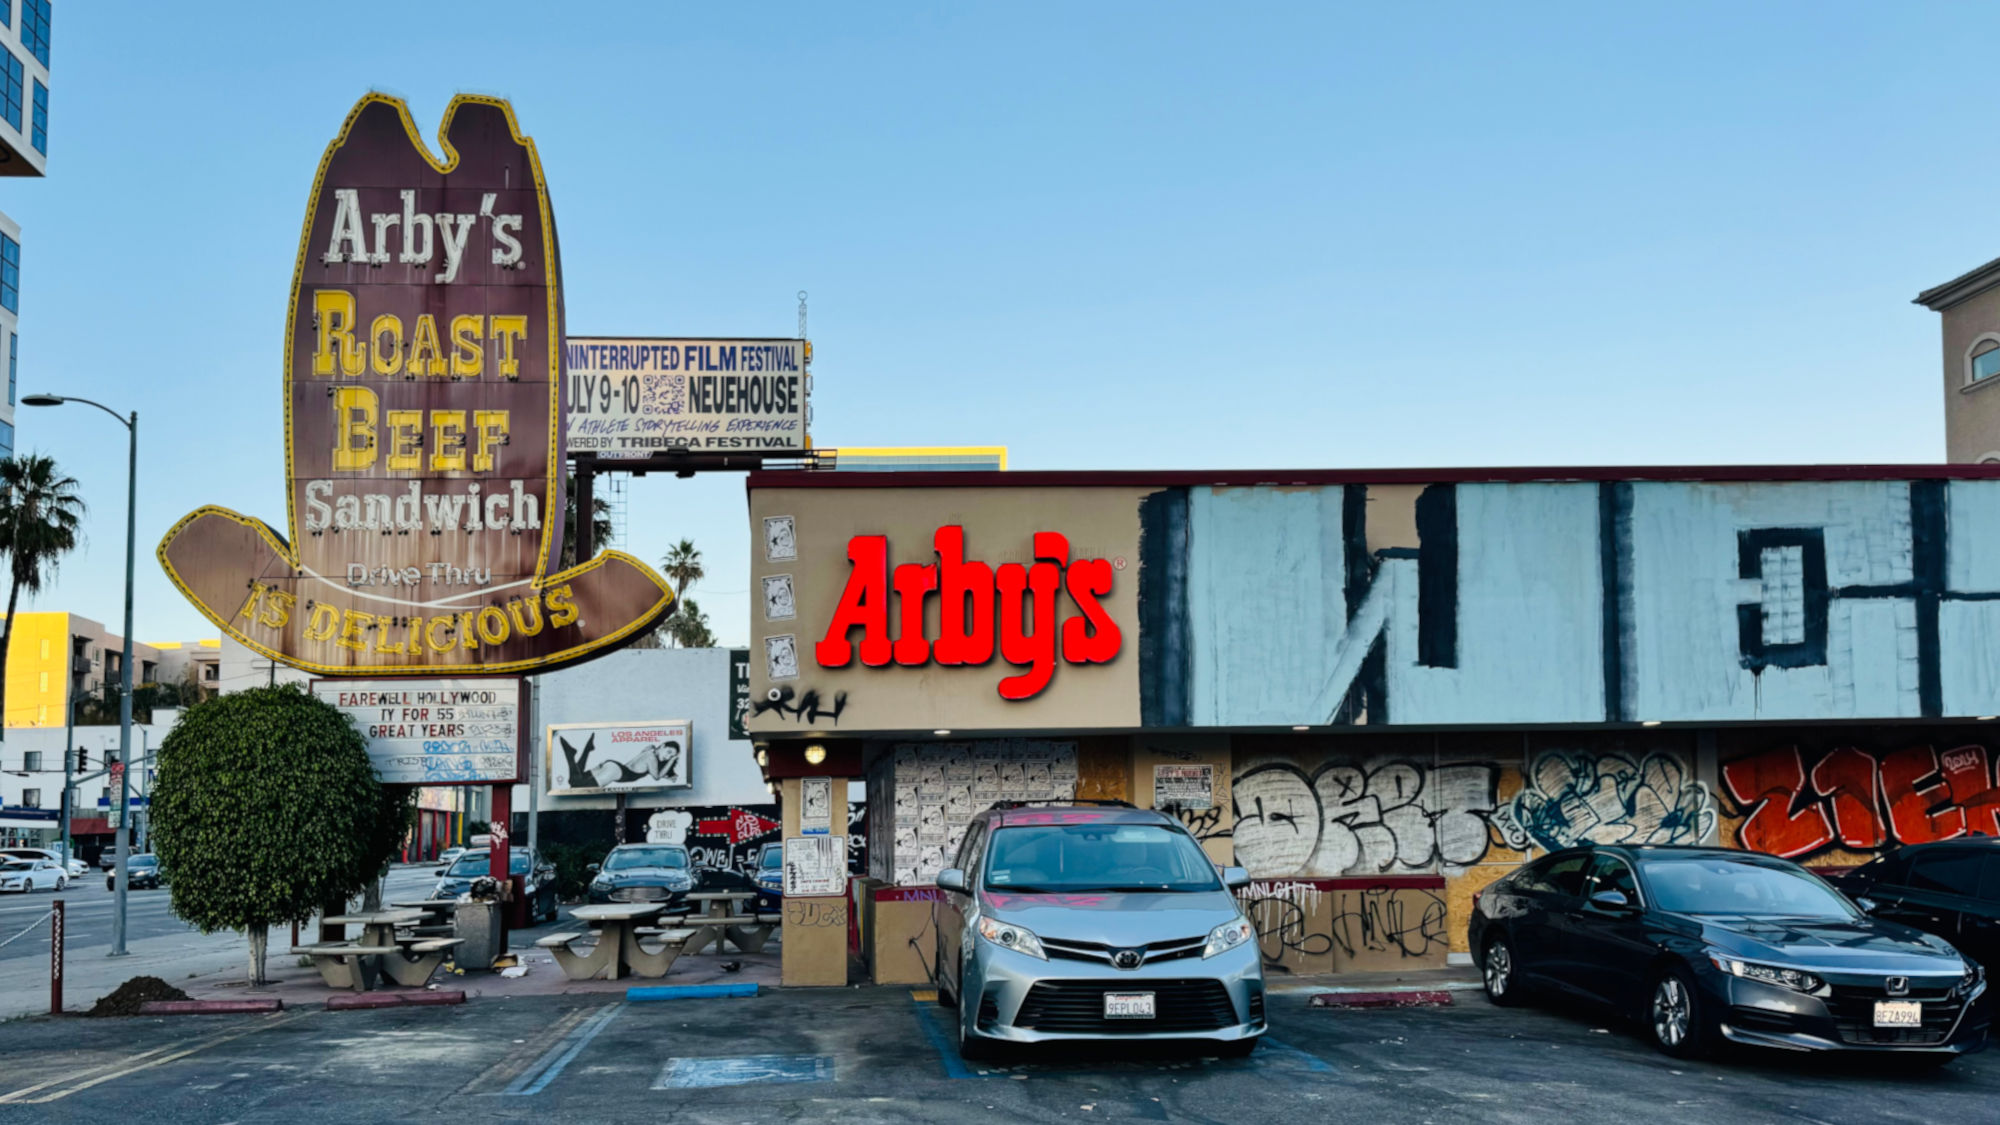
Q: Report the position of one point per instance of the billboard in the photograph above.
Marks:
(633, 398)
(463, 731)
(633, 757)
(423, 439)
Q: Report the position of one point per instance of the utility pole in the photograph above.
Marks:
(69, 748)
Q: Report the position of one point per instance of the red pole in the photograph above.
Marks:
(56, 959)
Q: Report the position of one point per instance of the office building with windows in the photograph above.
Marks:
(24, 151)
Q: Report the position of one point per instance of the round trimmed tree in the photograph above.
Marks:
(265, 808)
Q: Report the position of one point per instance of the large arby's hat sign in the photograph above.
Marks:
(423, 445)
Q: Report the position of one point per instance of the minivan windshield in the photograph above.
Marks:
(625, 859)
(1069, 858)
(1712, 885)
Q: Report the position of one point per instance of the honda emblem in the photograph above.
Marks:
(1898, 986)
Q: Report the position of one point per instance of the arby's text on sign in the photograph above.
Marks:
(423, 398)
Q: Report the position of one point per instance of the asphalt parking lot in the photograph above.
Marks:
(878, 1054)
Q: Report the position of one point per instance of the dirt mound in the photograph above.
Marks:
(126, 999)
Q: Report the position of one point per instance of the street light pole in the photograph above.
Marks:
(131, 424)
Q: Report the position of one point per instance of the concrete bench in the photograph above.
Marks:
(657, 962)
(344, 964)
(751, 938)
(412, 965)
(600, 961)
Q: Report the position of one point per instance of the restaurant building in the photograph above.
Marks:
(1381, 690)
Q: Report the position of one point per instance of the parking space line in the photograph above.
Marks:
(84, 1079)
(549, 1066)
(1309, 1060)
(954, 1067)
(496, 1077)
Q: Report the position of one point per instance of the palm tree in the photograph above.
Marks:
(686, 627)
(689, 626)
(682, 565)
(41, 520)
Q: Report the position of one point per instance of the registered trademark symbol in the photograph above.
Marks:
(1118, 563)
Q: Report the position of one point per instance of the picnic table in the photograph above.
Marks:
(439, 914)
(359, 965)
(721, 920)
(617, 948)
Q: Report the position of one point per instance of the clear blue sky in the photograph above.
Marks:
(1104, 235)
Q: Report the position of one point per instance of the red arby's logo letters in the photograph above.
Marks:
(1011, 609)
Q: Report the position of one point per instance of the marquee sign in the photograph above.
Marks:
(1010, 609)
(423, 426)
(631, 399)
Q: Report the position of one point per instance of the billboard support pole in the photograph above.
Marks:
(586, 510)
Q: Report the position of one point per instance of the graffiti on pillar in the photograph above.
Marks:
(1798, 803)
(1344, 817)
(1401, 921)
(1573, 797)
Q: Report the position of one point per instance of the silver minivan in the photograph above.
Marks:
(1094, 921)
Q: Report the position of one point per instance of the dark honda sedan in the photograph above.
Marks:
(1705, 946)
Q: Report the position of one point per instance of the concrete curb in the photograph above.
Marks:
(394, 1000)
(689, 991)
(208, 1007)
(1410, 998)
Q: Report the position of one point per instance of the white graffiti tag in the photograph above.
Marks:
(1345, 818)
(1572, 797)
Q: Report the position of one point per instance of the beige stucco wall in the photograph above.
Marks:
(1972, 415)
(999, 528)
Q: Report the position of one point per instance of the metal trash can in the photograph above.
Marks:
(482, 927)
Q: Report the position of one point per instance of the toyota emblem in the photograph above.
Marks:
(1898, 986)
(1128, 959)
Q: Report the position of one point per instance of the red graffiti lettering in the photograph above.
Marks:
(1769, 785)
(1970, 782)
(1918, 813)
(1846, 778)
(1861, 800)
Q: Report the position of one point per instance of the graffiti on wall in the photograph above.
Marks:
(731, 837)
(1574, 796)
(1308, 926)
(1345, 817)
(1797, 803)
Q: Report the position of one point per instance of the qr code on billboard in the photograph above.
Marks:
(664, 394)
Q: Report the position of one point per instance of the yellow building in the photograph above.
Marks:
(45, 644)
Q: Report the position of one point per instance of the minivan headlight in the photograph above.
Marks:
(1016, 938)
(1794, 979)
(1227, 936)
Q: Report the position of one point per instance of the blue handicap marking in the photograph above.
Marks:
(745, 1070)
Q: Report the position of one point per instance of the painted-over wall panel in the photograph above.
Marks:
(1529, 582)
(1699, 553)
(1265, 601)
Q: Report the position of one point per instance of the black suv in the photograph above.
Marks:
(1951, 889)
(1704, 946)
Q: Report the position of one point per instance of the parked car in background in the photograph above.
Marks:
(730, 879)
(76, 867)
(141, 872)
(1092, 923)
(540, 881)
(26, 875)
(448, 857)
(1951, 889)
(643, 873)
(1705, 946)
(771, 874)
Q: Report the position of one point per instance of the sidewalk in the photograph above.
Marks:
(1456, 978)
(89, 974)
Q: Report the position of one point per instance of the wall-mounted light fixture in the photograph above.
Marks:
(942, 732)
(815, 754)
(763, 757)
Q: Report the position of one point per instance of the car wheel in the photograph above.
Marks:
(1674, 1018)
(1499, 973)
(62, 883)
(972, 1046)
(1238, 1048)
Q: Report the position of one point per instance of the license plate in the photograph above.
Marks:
(1128, 1005)
(1899, 1013)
